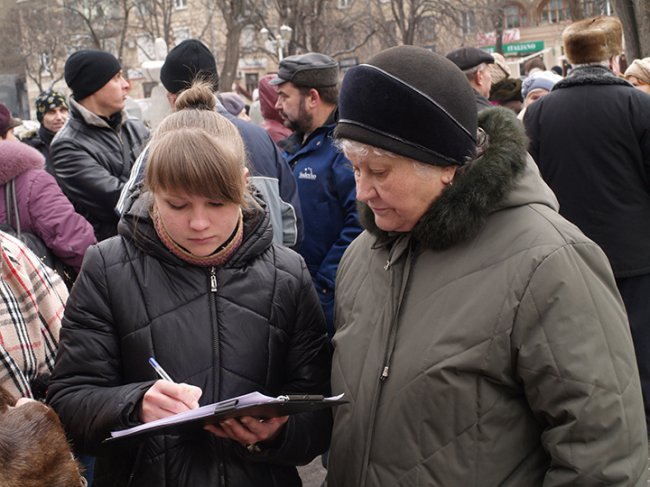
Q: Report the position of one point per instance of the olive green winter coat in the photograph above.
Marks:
(487, 347)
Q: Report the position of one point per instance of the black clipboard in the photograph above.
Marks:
(253, 404)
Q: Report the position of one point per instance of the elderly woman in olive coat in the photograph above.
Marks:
(480, 338)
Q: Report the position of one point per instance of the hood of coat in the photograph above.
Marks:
(503, 176)
(136, 225)
(268, 98)
(17, 157)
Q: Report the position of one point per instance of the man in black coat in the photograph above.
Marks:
(93, 153)
(270, 173)
(591, 139)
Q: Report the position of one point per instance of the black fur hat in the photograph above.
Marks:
(410, 101)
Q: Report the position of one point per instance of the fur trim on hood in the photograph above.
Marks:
(479, 186)
(16, 158)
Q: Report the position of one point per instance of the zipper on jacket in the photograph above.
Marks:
(213, 280)
(216, 364)
(388, 354)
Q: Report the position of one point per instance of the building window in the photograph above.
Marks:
(555, 11)
(514, 16)
(180, 4)
(468, 22)
(181, 34)
(592, 8)
(345, 3)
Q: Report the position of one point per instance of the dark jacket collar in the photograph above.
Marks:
(297, 140)
(590, 75)
(479, 188)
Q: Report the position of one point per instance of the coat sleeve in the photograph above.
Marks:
(291, 213)
(54, 219)
(308, 365)
(86, 389)
(344, 184)
(574, 355)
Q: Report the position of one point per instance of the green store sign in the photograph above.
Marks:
(519, 47)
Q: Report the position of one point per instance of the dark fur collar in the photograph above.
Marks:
(590, 75)
(478, 188)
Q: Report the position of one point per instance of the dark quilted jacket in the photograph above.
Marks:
(262, 329)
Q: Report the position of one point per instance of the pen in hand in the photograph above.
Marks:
(159, 370)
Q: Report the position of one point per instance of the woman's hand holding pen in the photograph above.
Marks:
(165, 398)
(248, 430)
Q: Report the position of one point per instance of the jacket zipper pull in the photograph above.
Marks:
(213, 280)
(387, 266)
(384, 373)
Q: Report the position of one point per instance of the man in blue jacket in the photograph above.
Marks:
(270, 173)
(307, 87)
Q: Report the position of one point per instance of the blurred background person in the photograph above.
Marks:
(590, 138)
(51, 113)
(7, 123)
(234, 104)
(507, 93)
(271, 119)
(32, 300)
(535, 86)
(43, 209)
(475, 63)
(189, 61)
(638, 73)
(93, 153)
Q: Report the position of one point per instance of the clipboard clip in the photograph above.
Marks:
(301, 397)
(226, 405)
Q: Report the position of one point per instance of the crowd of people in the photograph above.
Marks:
(462, 253)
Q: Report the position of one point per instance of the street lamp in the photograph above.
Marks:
(278, 41)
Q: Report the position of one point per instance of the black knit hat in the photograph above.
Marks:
(49, 100)
(88, 71)
(412, 102)
(189, 60)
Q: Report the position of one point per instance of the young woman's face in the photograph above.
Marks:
(198, 224)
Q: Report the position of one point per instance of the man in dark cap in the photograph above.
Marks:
(51, 113)
(590, 137)
(93, 153)
(475, 63)
(270, 173)
(307, 87)
(480, 339)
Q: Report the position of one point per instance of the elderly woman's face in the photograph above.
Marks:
(398, 190)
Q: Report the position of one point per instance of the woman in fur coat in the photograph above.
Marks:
(42, 207)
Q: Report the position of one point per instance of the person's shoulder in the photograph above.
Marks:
(287, 260)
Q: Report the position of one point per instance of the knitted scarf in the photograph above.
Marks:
(217, 258)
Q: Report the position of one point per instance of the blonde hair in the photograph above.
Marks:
(197, 150)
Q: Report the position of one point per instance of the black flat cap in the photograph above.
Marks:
(311, 70)
(469, 57)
